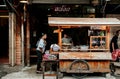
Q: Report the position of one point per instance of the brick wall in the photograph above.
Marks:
(18, 46)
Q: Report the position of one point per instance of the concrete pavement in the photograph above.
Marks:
(29, 73)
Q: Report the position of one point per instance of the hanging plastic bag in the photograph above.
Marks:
(115, 54)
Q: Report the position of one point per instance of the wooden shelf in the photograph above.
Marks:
(82, 49)
(65, 44)
(98, 36)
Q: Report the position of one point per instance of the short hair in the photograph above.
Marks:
(42, 34)
(117, 31)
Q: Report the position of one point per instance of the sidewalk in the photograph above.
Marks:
(6, 69)
(29, 73)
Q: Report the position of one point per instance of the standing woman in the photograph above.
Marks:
(40, 51)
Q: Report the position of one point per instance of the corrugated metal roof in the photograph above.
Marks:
(62, 21)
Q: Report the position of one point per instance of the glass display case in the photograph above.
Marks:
(98, 39)
(98, 42)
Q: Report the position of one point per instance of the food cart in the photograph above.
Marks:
(90, 58)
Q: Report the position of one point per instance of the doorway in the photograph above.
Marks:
(4, 50)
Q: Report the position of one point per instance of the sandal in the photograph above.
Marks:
(40, 69)
(38, 72)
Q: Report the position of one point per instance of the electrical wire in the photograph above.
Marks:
(103, 9)
(10, 6)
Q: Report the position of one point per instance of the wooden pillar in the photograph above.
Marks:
(108, 37)
(22, 42)
(28, 41)
(60, 37)
(12, 34)
(23, 20)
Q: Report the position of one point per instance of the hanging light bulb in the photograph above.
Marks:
(107, 0)
(95, 2)
(24, 1)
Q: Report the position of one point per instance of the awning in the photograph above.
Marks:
(65, 21)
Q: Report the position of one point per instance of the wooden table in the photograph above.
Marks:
(49, 61)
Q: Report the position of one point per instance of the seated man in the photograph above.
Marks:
(66, 39)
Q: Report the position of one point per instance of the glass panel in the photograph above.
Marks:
(98, 42)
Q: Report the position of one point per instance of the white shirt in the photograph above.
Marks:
(66, 40)
(55, 47)
(41, 44)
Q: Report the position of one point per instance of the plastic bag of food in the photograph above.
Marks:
(115, 54)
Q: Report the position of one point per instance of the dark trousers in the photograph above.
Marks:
(39, 59)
